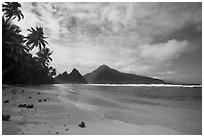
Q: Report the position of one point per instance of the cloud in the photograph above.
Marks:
(163, 51)
(142, 19)
(167, 72)
(145, 58)
(139, 60)
(121, 35)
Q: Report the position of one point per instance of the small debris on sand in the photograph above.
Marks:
(57, 132)
(6, 101)
(38, 93)
(29, 97)
(22, 90)
(64, 125)
(6, 117)
(22, 105)
(29, 106)
(25, 106)
(82, 125)
(67, 129)
(45, 100)
(40, 100)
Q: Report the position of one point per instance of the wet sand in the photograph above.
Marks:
(66, 106)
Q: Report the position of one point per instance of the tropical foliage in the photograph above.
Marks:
(18, 64)
(36, 38)
(12, 10)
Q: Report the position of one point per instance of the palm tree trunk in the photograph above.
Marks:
(8, 19)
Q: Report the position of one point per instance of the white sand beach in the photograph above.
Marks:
(66, 106)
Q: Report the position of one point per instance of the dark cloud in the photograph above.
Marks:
(35, 4)
(36, 11)
(189, 33)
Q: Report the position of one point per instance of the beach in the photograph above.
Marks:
(105, 110)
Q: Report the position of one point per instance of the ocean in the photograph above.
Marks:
(184, 96)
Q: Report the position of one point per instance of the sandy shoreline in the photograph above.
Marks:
(61, 115)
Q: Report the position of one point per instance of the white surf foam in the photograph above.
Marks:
(148, 85)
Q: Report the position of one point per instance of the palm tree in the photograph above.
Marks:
(11, 34)
(36, 38)
(12, 45)
(44, 56)
(12, 10)
(52, 71)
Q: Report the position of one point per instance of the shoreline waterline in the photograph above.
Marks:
(139, 85)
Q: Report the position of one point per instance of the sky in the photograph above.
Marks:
(161, 40)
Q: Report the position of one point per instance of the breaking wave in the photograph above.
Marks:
(148, 85)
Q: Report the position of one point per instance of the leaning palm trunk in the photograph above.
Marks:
(8, 19)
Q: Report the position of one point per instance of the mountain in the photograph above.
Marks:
(74, 77)
(107, 75)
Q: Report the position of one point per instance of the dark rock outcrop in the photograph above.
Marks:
(82, 125)
(6, 117)
(74, 78)
(107, 75)
(6, 101)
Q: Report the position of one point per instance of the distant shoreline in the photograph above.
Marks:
(122, 85)
(145, 85)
